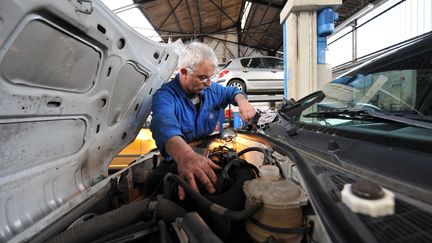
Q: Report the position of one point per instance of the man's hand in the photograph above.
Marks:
(191, 165)
(247, 111)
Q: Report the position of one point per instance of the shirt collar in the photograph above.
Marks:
(175, 83)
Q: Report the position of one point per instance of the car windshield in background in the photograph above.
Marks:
(392, 90)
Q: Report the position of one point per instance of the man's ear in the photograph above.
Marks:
(183, 71)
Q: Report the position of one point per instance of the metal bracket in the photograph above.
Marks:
(84, 6)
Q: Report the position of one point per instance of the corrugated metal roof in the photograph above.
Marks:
(192, 17)
(187, 19)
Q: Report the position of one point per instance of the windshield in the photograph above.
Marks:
(399, 84)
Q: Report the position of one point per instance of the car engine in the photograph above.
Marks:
(256, 199)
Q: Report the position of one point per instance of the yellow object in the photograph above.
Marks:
(142, 144)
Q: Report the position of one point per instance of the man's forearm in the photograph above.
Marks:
(176, 147)
(240, 98)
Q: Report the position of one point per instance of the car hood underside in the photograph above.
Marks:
(75, 88)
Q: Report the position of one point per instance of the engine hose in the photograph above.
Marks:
(230, 164)
(264, 151)
(234, 161)
(259, 149)
(232, 197)
(168, 210)
(104, 224)
(213, 207)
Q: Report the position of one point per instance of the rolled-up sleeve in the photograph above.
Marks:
(164, 123)
(228, 94)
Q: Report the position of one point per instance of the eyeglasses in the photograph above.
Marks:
(203, 78)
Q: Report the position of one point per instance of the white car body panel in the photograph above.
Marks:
(64, 117)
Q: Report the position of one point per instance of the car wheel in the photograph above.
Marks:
(238, 84)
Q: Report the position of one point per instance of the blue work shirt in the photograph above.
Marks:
(174, 114)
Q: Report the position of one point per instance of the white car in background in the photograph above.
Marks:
(263, 74)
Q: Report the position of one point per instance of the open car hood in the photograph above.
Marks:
(75, 88)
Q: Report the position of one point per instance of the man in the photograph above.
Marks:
(188, 108)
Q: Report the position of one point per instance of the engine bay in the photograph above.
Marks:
(258, 198)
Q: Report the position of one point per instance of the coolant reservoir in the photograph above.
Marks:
(282, 206)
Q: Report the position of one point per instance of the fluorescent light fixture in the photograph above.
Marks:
(245, 14)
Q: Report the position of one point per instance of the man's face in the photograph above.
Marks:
(195, 81)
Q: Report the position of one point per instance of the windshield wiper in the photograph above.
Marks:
(290, 110)
(368, 115)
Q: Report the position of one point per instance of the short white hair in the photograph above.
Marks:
(195, 53)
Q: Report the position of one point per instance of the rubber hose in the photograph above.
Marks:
(216, 208)
(104, 224)
(264, 151)
(234, 197)
(230, 164)
(168, 210)
(259, 149)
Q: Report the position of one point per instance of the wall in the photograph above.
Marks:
(389, 24)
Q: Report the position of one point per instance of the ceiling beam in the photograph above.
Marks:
(214, 49)
(245, 51)
(274, 5)
(265, 12)
(262, 18)
(238, 43)
(171, 13)
(232, 55)
(269, 27)
(250, 36)
(223, 11)
(199, 15)
(215, 38)
(220, 16)
(174, 14)
(228, 30)
(190, 15)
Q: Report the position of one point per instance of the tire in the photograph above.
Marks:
(238, 84)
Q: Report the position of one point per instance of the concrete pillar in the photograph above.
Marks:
(299, 19)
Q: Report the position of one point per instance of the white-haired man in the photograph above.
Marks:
(188, 108)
